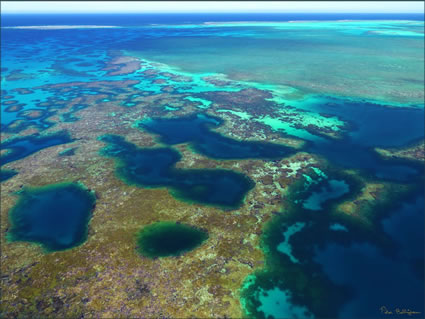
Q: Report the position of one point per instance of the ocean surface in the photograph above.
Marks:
(211, 121)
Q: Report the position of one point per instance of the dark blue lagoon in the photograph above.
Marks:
(155, 168)
(5, 174)
(332, 189)
(196, 130)
(21, 147)
(371, 125)
(54, 216)
(164, 239)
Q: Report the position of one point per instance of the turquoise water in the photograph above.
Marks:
(280, 53)
(338, 227)
(164, 239)
(285, 247)
(54, 216)
(144, 167)
(333, 189)
(276, 302)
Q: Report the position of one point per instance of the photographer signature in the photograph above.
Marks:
(398, 311)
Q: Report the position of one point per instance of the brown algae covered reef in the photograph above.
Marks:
(216, 196)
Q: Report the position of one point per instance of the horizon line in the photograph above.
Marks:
(212, 12)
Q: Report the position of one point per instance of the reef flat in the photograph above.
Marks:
(256, 169)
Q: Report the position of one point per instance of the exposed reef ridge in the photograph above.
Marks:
(154, 167)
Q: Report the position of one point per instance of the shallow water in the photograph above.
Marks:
(275, 303)
(333, 189)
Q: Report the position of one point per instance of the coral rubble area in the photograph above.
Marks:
(130, 188)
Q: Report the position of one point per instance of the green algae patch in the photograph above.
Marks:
(165, 239)
(54, 216)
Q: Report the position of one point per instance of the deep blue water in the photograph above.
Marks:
(196, 129)
(6, 174)
(371, 125)
(394, 282)
(55, 216)
(155, 168)
(165, 239)
(376, 125)
(24, 146)
(349, 155)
